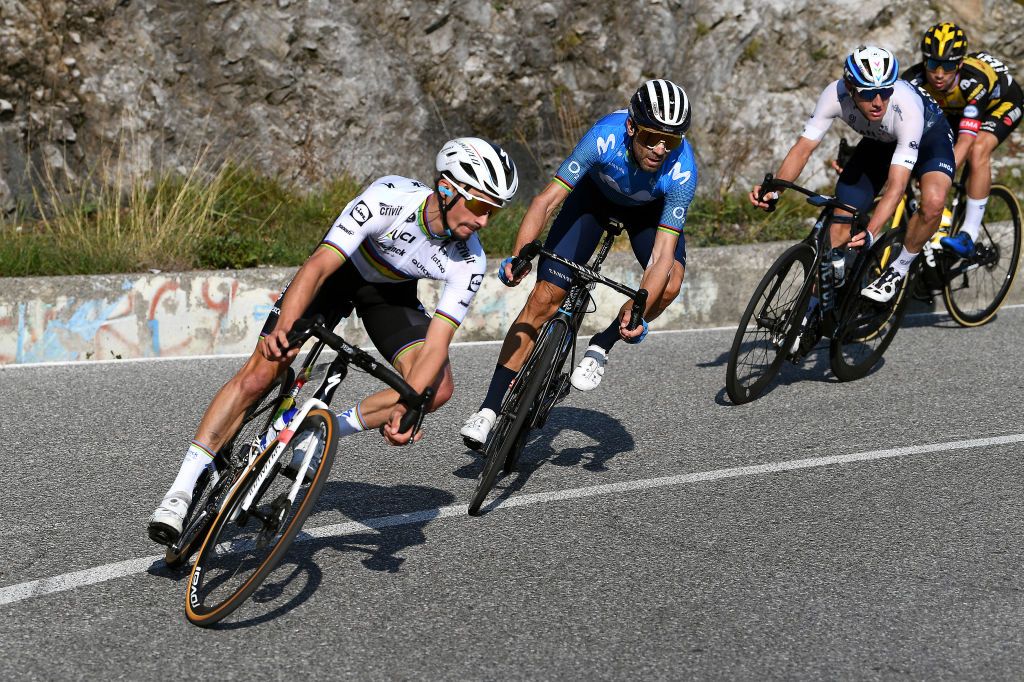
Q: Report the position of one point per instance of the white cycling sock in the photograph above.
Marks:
(350, 421)
(903, 262)
(972, 216)
(197, 458)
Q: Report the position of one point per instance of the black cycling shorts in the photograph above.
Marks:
(394, 318)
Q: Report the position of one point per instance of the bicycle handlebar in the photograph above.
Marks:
(530, 251)
(414, 401)
(526, 254)
(771, 183)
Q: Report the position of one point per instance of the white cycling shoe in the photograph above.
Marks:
(885, 287)
(166, 522)
(588, 374)
(476, 429)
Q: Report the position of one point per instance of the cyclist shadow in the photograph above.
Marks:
(393, 519)
(610, 439)
(815, 367)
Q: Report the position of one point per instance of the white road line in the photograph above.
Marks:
(121, 569)
(455, 344)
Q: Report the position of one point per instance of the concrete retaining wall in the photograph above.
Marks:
(201, 313)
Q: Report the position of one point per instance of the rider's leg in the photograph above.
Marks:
(979, 182)
(375, 410)
(574, 235)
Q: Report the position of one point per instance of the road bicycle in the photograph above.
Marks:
(542, 381)
(780, 321)
(253, 526)
(972, 288)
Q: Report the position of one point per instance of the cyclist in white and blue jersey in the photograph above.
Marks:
(905, 134)
(634, 165)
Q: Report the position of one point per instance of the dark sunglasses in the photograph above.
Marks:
(651, 138)
(946, 64)
(477, 205)
(868, 94)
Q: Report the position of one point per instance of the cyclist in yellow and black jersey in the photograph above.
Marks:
(983, 104)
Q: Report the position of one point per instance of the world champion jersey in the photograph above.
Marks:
(911, 112)
(383, 231)
(603, 153)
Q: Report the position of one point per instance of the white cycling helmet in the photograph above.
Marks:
(479, 164)
(871, 67)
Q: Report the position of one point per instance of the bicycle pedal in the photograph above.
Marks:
(472, 444)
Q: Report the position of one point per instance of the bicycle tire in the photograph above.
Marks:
(865, 328)
(222, 561)
(973, 296)
(515, 410)
(779, 301)
(207, 498)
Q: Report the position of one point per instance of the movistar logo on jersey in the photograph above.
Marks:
(605, 143)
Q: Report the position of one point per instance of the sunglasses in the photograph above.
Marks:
(868, 94)
(946, 64)
(478, 206)
(651, 138)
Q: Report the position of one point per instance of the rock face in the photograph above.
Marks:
(309, 88)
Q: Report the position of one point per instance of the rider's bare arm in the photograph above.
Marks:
(427, 371)
(301, 291)
(791, 167)
(541, 209)
(654, 280)
(962, 148)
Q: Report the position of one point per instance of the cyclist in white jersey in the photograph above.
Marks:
(905, 134)
(394, 233)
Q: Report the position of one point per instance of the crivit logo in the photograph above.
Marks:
(464, 252)
(389, 211)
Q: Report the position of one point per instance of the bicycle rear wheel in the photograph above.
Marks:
(232, 459)
(769, 325)
(243, 547)
(517, 407)
(865, 328)
(976, 287)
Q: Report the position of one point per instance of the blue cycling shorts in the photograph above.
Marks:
(865, 173)
(579, 227)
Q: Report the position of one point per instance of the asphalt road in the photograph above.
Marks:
(862, 530)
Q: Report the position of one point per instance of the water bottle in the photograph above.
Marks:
(838, 258)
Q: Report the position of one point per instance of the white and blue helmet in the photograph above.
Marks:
(871, 67)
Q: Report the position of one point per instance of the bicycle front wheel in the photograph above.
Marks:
(769, 325)
(976, 287)
(516, 408)
(233, 456)
(244, 545)
(865, 328)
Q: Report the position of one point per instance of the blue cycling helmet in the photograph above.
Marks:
(871, 67)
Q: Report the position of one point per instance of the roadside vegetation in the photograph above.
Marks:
(235, 217)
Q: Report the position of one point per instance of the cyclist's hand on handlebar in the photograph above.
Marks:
(506, 275)
(766, 203)
(862, 238)
(390, 429)
(635, 336)
(274, 346)
(836, 167)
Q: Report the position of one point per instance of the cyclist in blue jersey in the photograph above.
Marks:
(634, 165)
(905, 134)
